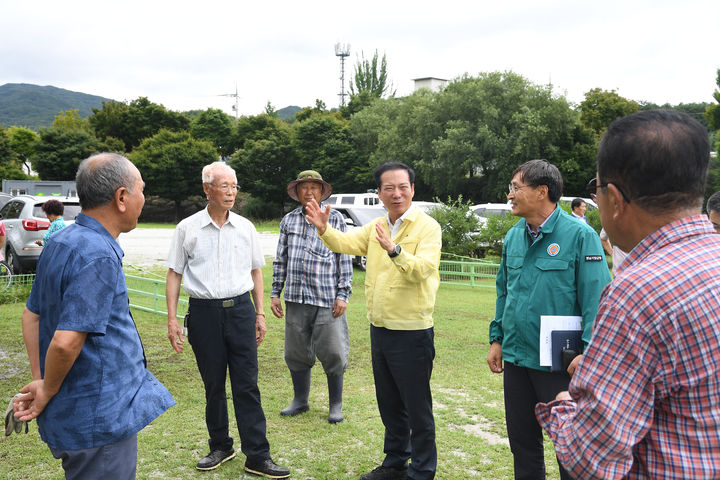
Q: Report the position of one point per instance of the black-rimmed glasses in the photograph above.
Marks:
(592, 187)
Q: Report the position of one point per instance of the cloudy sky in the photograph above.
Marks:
(185, 55)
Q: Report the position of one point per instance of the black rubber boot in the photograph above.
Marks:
(335, 389)
(301, 386)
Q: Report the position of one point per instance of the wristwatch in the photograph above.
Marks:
(395, 252)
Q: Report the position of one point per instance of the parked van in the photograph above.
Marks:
(353, 199)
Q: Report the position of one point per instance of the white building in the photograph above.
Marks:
(432, 83)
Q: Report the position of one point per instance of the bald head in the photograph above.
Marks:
(99, 176)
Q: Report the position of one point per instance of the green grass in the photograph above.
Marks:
(468, 403)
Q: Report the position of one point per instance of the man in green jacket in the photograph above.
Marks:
(551, 265)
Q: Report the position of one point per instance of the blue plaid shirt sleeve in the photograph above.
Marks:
(280, 262)
(309, 271)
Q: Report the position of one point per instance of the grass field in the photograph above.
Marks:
(468, 403)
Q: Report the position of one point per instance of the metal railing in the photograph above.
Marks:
(147, 293)
(472, 272)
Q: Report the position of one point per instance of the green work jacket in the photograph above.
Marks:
(563, 272)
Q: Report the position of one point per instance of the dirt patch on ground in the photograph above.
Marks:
(480, 427)
(13, 364)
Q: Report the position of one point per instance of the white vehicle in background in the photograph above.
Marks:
(356, 217)
(486, 210)
(25, 222)
(426, 206)
(353, 199)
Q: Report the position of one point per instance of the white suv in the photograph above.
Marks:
(25, 222)
(353, 199)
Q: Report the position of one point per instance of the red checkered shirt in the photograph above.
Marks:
(646, 397)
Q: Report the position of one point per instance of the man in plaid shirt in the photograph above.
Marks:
(318, 283)
(645, 400)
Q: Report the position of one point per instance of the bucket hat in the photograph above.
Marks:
(309, 176)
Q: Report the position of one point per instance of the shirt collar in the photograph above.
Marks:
(89, 222)
(672, 232)
(207, 220)
(547, 226)
(409, 215)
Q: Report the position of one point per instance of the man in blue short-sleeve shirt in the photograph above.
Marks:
(91, 390)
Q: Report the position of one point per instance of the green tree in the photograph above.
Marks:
(696, 110)
(171, 164)
(601, 107)
(270, 110)
(109, 121)
(712, 114)
(70, 120)
(265, 161)
(371, 77)
(135, 121)
(23, 142)
(459, 225)
(400, 130)
(59, 152)
(216, 127)
(10, 166)
(323, 143)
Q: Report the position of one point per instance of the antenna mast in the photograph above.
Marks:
(342, 51)
(235, 107)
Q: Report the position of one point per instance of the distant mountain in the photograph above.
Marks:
(288, 113)
(33, 106)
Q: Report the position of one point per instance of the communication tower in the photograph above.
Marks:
(342, 51)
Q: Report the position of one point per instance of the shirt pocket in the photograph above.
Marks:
(514, 266)
(557, 274)
(551, 264)
(409, 245)
(317, 248)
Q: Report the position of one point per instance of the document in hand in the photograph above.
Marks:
(548, 323)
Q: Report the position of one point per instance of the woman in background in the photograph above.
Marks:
(54, 212)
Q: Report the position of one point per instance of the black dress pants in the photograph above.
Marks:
(524, 387)
(222, 334)
(402, 362)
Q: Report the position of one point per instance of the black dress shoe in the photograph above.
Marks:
(386, 473)
(266, 468)
(215, 458)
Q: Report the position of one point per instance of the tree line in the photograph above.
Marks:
(463, 140)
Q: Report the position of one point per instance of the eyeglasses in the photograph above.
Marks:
(225, 187)
(592, 187)
(512, 188)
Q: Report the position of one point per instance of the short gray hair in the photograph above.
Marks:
(208, 171)
(99, 176)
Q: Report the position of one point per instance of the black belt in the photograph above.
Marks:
(219, 302)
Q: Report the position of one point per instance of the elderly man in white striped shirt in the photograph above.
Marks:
(218, 252)
(318, 284)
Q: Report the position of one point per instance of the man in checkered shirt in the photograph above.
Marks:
(645, 400)
(318, 283)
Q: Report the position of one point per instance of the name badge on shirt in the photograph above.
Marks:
(593, 258)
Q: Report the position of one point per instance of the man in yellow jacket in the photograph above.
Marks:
(403, 256)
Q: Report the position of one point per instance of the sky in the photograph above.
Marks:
(190, 55)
